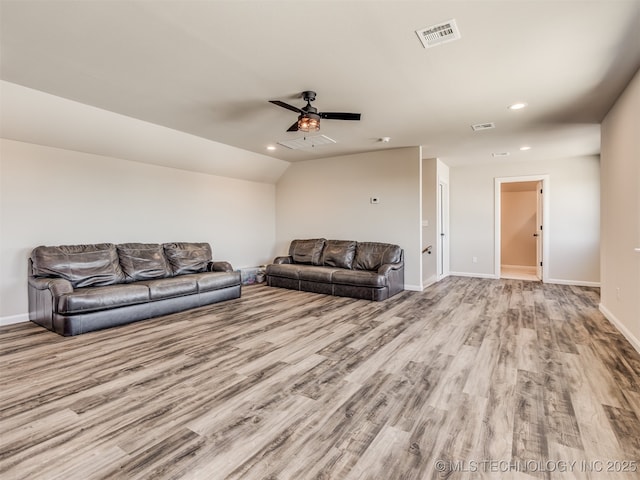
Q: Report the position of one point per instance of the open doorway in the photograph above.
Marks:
(519, 231)
(521, 238)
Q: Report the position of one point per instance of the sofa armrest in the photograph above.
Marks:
(388, 267)
(57, 286)
(283, 260)
(220, 267)
(395, 276)
(43, 294)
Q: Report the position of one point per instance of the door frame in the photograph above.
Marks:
(545, 220)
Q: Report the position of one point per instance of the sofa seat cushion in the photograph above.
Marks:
(287, 270)
(171, 287)
(360, 278)
(317, 274)
(143, 261)
(210, 281)
(82, 265)
(101, 298)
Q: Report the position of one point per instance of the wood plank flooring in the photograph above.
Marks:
(472, 378)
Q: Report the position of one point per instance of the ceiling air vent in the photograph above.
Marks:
(437, 34)
(483, 126)
(500, 154)
(307, 142)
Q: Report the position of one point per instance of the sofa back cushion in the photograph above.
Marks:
(188, 257)
(82, 265)
(339, 253)
(372, 255)
(143, 261)
(307, 251)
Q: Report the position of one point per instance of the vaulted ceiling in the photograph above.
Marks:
(208, 68)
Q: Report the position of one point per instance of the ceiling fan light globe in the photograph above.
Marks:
(309, 123)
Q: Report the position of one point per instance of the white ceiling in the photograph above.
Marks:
(208, 68)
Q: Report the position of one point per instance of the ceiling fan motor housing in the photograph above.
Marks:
(309, 96)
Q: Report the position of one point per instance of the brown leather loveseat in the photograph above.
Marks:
(367, 270)
(75, 289)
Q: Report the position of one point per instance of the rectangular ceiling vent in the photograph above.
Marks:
(438, 34)
(500, 154)
(483, 126)
(307, 142)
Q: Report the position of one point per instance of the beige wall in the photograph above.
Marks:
(518, 224)
(51, 196)
(620, 171)
(330, 198)
(574, 223)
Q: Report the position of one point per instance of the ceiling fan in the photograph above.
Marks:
(309, 118)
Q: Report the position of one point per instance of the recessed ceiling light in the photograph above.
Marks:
(518, 106)
(271, 147)
(525, 147)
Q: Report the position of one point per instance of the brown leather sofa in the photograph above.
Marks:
(76, 289)
(367, 270)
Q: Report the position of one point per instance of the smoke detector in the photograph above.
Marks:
(439, 34)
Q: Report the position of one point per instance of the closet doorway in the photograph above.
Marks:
(520, 233)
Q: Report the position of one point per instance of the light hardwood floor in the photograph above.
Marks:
(472, 378)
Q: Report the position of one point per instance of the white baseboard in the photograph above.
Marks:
(635, 343)
(577, 283)
(473, 275)
(11, 319)
(413, 288)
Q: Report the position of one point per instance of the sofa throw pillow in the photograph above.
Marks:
(372, 255)
(307, 251)
(188, 257)
(143, 261)
(339, 253)
(82, 265)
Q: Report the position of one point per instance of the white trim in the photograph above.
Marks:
(635, 343)
(545, 219)
(577, 283)
(473, 275)
(11, 319)
(413, 288)
(420, 190)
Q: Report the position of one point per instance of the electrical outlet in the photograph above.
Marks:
(474, 259)
(618, 293)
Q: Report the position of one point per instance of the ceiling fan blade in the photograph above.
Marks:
(293, 128)
(340, 116)
(286, 105)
